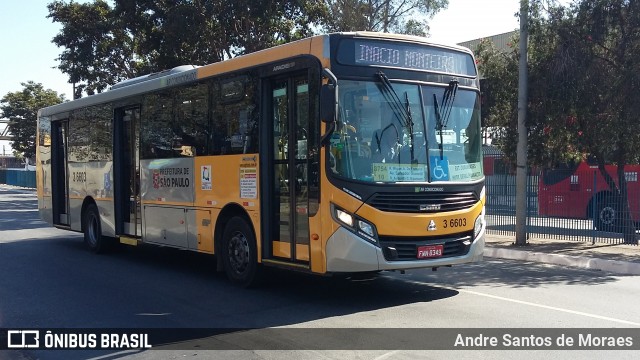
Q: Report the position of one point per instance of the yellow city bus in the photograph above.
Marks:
(341, 153)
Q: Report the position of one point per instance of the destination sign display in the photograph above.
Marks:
(405, 55)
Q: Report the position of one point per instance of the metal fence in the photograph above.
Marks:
(9, 162)
(579, 208)
(23, 178)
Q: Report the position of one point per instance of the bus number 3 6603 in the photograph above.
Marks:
(456, 222)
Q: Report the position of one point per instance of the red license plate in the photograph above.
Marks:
(430, 251)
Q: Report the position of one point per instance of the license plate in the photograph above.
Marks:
(430, 251)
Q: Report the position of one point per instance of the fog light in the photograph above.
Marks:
(365, 228)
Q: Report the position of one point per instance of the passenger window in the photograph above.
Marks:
(191, 122)
(157, 118)
(235, 116)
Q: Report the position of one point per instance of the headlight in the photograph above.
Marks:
(355, 224)
(477, 226)
(344, 217)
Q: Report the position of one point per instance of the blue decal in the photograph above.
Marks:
(439, 168)
(107, 181)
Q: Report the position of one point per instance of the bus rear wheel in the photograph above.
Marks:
(239, 252)
(93, 230)
(607, 216)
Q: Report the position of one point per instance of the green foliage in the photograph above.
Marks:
(21, 108)
(97, 50)
(382, 15)
(583, 69)
(500, 72)
(584, 75)
(103, 44)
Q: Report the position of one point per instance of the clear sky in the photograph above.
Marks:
(467, 20)
(26, 49)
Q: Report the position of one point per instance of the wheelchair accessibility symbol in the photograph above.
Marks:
(439, 168)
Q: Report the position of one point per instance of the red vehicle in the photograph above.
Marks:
(580, 192)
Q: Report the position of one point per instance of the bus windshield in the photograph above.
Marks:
(402, 132)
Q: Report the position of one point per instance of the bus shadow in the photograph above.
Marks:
(503, 273)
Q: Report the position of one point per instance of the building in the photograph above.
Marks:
(502, 41)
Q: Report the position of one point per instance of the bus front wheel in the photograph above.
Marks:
(93, 230)
(607, 217)
(239, 252)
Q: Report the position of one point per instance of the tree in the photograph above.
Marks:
(583, 81)
(97, 50)
(382, 15)
(599, 42)
(499, 103)
(102, 45)
(21, 108)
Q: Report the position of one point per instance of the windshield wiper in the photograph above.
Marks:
(394, 100)
(410, 125)
(402, 112)
(442, 117)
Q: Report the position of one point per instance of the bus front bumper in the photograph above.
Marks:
(347, 252)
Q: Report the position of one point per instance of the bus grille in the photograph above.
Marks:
(397, 248)
(423, 202)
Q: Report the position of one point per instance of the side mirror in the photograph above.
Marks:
(328, 103)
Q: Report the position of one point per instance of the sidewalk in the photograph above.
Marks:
(616, 258)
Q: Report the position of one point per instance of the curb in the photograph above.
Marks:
(614, 266)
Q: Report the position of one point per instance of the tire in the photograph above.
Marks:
(239, 253)
(92, 229)
(607, 216)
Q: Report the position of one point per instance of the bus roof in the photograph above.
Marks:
(316, 45)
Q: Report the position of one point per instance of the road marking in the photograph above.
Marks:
(528, 303)
(153, 314)
(117, 354)
(543, 306)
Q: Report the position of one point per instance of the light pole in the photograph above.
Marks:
(521, 159)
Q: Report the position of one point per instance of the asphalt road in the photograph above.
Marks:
(50, 281)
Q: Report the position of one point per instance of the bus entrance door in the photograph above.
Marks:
(127, 172)
(59, 177)
(288, 225)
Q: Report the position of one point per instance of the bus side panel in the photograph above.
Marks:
(166, 191)
(633, 191)
(99, 186)
(571, 196)
(167, 181)
(76, 173)
(561, 200)
(200, 229)
(221, 180)
(165, 225)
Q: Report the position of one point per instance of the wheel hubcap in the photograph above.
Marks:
(239, 253)
(607, 215)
